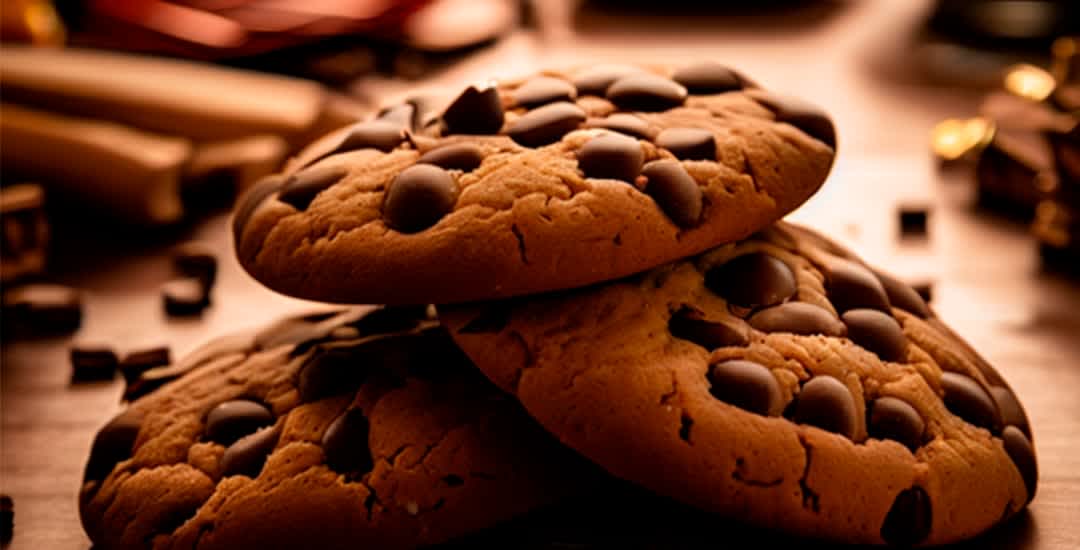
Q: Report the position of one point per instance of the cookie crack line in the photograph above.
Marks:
(808, 494)
(522, 250)
(737, 475)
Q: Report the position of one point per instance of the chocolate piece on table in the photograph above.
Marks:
(44, 308)
(185, 296)
(24, 231)
(913, 220)
(93, 362)
(135, 363)
(196, 259)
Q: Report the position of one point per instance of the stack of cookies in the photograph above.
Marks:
(614, 297)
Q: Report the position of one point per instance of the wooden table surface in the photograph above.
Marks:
(987, 279)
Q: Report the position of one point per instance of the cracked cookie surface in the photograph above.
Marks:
(555, 181)
(778, 380)
(357, 428)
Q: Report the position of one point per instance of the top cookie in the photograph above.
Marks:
(551, 182)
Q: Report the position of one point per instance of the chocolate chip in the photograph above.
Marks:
(384, 135)
(137, 362)
(544, 89)
(251, 199)
(893, 418)
(184, 297)
(827, 403)
(196, 259)
(611, 156)
(419, 197)
(708, 78)
(112, 445)
(229, 421)
(877, 332)
(546, 124)
(596, 80)
(965, 398)
(688, 325)
(474, 112)
(909, 519)
(747, 385)
(247, 456)
(798, 318)
(329, 372)
(901, 295)
(624, 123)
(93, 362)
(41, 308)
(304, 185)
(913, 221)
(1022, 453)
(752, 280)
(1012, 412)
(646, 92)
(688, 143)
(803, 115)
(345, 443)
(852, 286)
(675, 191)
(458, 156)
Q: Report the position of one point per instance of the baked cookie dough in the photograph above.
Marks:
(777, 380)
(555, 181)
(364, 428)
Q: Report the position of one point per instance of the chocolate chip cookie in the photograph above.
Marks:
(551, 182)
(359, 428)
(778, 380)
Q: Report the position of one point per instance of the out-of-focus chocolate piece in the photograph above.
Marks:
(24, 232)
(1066, 150)
(185, 297)
(1016, 171)
(7, 518)
(1057, 230)
(92, 361)
(913, 220)
(44, 308)
(238, 163)
(196, 259)
(137, 362)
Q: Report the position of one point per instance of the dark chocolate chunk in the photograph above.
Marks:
(803, 115)
(546, 124)
(458, 156)
(247, 456)
(251, 199)
(675, 191)
(419, 197)
(876, 331)
(595, 81)
(852, 286)
(901, 295)
(909, 519)
(329, 372)
(1022, 453)
(925, 290)
(967, 399)
(93, 362)
(304, 185)
(229, 421)
(611, 156)
(747, 385)
(137, 362)
(1012, 412)
(195, 259)
(895, 419)
(798, 318)
(152, 379)
(544, 89)
(708, 78)
(688, 325)
(184, 297)
(112, 445)
(44, 308)
(7, 518)
(646, 92)
(688, 143)
(624, 123)
(345, 443)
(913, 220)
(827, 403)
(752, 280)
(474, 112)
(384, 135)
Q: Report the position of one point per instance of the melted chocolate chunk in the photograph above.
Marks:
(384, 135)
(798, 318)
(251, 199)
(43, 309)
(803, 115)
(909, 519)
(458, 156)
(329, 372)
(893, 418)
(112, 445)
(852, 286)
(1022, 453)
(747, 385)
(595, 81)
(247, 456)
(419, 197)
(646, 92)
(752, 280)
(185, 296)
(611, 156)
(877, 332)
(546, 124)
(544, 89)
(675, 191)
(688, 325)
(345, 443)
(624, 123)
(827, 403)
(688, 143)
(965, 398)
(474, 112)
(901, 295)
(229, 421)
(1012, 412)
(304, 185)
(708, 78)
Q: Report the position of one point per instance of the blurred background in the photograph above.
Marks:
(128, 127)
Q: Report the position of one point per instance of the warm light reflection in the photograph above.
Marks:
(1030, 82)
(953, 138)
